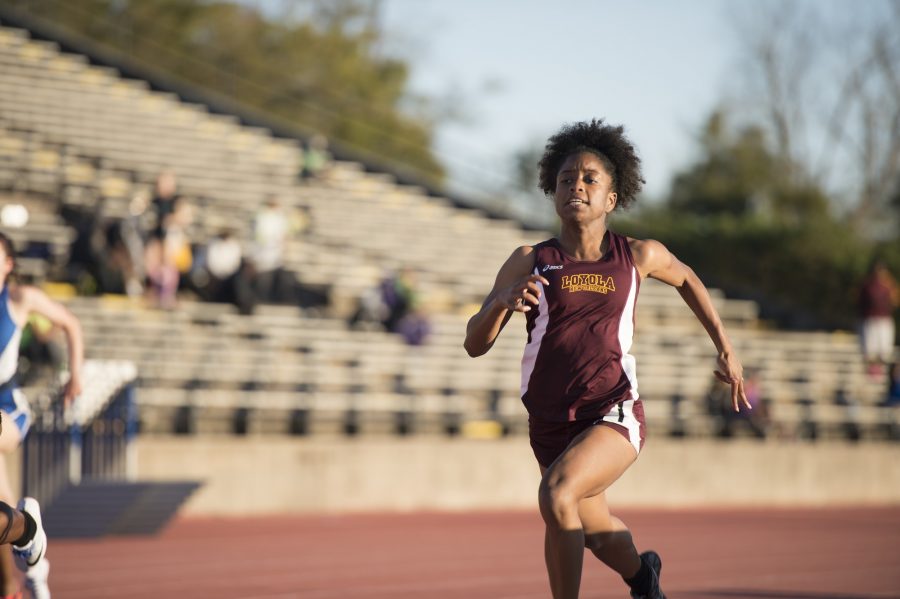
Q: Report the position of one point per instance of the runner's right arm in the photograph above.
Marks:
(515, 290)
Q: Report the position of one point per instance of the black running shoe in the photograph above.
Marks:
(651, 558)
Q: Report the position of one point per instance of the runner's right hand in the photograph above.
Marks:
(524, 293)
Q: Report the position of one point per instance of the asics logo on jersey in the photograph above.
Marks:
(551, 267)
(590, 282)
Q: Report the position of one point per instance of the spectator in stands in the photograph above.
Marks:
(578, 293)
(401, 296)
(103, 272)
(113, 260)
(225, 275)
(878, 296)
(223, 262)
(408, 317)
(168, 254)
(271, 228)
(17, 304)
(164, 201)
(371, 310)
(316, 157)
(415, 327)
(81, 268)
(134, 245)
(393, 300)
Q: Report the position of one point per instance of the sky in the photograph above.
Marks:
(512, 72)
(518, 70)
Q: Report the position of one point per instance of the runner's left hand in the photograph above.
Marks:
(730, 371)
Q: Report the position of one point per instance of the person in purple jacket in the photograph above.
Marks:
(579, 381)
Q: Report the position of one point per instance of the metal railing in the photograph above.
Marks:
(91, 440)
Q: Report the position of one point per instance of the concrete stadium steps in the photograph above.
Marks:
(263, 370)
(216, 412)
(227, 351)
(131, 103)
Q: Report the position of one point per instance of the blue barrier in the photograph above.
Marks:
(80, 462)
(59, 452)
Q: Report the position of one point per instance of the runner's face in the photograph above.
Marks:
(583, 189)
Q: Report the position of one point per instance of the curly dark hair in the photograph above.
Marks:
(608, 143)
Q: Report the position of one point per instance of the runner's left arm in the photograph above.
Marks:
(654, 260)
(35, 300)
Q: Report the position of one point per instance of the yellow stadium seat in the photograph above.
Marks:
(482, 429)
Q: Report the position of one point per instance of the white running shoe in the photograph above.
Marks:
(36, 580)
(31, 554)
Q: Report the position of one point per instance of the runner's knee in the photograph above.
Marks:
(559, 503)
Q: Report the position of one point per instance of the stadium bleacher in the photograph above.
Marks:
(75, 134)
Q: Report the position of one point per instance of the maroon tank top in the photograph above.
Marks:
(576, 363)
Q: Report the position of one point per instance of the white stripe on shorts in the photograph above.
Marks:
(626, 419)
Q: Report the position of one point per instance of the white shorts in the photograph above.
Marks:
(16, 410)
(877, 338)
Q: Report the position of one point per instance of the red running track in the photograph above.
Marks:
(746, 554)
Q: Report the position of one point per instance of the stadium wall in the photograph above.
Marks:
(267, 476)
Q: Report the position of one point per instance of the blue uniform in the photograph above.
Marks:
(12, 400)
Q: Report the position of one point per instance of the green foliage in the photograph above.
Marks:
(741, 177)
(740, 221)
(320, 69)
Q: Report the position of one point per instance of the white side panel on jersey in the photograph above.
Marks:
(626, 336)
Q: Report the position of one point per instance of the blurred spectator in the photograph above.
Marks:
(223, 258)
(401, 297)
(316, 157)
(100, 263)
(82, 220)
(168, 253)
(122, 258)
(878, 295)
(224, 275)
(372, 308)
(164, 201)
(133, 240)
(414, 327)
(395, 304)
(177, 236)
(271, 227)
